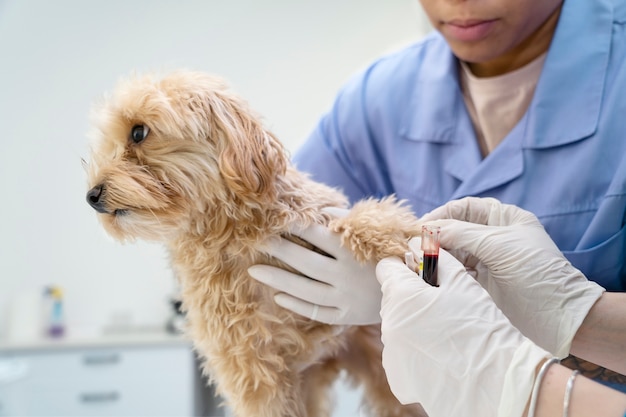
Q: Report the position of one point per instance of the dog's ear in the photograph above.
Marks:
(250, 157)
(253, 158)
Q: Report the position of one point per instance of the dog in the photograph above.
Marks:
(179, 158)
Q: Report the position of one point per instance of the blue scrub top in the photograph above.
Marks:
(401, 127)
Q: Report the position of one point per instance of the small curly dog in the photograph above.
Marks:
(182, 160)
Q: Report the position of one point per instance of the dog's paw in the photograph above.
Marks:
(375, 229)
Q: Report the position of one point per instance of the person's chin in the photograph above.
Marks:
(473, 54)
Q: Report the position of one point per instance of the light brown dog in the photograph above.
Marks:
(182, 160)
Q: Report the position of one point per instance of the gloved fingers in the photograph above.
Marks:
(323, 238)
(336, 212)
(469, 261)
(468, 209)
(306, 261)
(312, 311)
(504, 246)
(307, 289)
(465, 257)
(472, 239)
(391, 271)
(486, 211)
(415, 244)
(450, 269)
(403, 295)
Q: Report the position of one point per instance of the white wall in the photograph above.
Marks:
(288, 58)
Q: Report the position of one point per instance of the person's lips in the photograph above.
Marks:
(468, 30)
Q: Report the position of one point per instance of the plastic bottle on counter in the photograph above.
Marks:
(55, 324)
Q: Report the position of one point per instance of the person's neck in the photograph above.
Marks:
(524, 53)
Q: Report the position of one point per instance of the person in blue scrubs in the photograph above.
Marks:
(402, 127)
(520, 100)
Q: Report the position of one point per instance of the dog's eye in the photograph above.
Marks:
(139, 133)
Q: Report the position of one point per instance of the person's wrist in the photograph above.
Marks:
(587, 333)
(586, 397)
(542, 370)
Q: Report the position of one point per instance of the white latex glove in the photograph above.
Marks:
(333, 291)
(526, 274)
(450, 347)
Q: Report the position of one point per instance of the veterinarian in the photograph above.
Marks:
(498, 356)
(521, 100)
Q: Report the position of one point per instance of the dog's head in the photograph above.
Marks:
(170, 152)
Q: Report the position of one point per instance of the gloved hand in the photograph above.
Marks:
(333, 291)
(449, 347)
(524, 272)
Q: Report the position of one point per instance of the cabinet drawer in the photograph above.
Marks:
(155, 381)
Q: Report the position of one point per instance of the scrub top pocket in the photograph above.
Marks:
(603, 263)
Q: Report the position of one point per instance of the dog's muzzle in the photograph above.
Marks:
(95, 198)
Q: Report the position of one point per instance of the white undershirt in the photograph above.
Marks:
(496, 104)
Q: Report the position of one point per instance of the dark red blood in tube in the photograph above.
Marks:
(430, 269)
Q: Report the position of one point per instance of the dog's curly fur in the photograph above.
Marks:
(211, 183)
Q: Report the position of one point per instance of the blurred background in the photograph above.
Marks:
(287, 58)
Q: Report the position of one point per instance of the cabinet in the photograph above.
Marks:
(128, 376)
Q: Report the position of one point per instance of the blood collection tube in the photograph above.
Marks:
(430, 248)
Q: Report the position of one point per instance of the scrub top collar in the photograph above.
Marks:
(575, 73)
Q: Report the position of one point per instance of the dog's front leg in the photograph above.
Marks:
(278, 395)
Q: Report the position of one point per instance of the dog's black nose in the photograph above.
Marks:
(95, 200)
